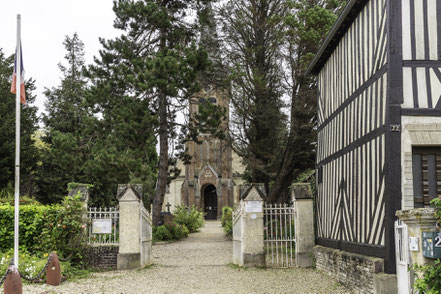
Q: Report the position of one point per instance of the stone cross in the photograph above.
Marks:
(168, 206)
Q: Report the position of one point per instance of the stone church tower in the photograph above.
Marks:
(208, 181)
(209, 178)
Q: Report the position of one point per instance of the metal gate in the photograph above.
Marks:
(279, 235)
(402, 257)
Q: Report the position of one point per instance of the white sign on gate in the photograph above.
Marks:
(253, 206)
(102, 226)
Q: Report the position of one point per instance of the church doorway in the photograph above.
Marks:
(210, 202)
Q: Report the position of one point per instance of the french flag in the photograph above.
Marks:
(14, 79)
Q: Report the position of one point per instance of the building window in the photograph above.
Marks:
(426, 169)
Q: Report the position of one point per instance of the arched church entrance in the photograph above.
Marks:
(210, 202)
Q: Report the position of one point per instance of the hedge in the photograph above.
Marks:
(43, 228)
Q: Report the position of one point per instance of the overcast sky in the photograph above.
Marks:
(44, 25)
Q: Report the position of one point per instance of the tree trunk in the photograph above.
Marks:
(163, 160)
(285, 176)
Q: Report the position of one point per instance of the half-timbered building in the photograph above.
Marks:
(379, 122)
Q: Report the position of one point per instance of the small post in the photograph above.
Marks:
(129, 252)
(12, 283)
(53, 271)
(304, 224)
(252, 245)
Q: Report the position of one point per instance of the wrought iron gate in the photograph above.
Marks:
(279, 235)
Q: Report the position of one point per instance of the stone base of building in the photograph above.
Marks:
(128, 261)
(102, 257)
(355, 271)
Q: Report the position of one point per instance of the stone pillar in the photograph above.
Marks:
(418, 220)
(130, 201)
(252, 246)
(81, 189)
(304, 224)
(75, 189)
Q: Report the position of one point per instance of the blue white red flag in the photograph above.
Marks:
(14, 78)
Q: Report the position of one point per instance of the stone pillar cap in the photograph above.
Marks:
(123, 188)
(253, 193)
(417, 215)
(244, 190)
(301, 191)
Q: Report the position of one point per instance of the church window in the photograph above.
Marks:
(212, 100)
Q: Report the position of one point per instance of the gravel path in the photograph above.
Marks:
(200, 264)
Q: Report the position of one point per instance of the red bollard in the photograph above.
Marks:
(13, 282)
(53, 271)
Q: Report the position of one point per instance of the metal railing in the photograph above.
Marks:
(103, 226)
(279, 235)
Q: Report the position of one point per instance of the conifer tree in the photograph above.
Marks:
(29, 124)
(64, 123)
(252, 34)
(306, 24)
(157, 56)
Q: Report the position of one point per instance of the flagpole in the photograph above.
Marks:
(17, 140)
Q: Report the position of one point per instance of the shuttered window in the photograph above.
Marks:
(426, 165)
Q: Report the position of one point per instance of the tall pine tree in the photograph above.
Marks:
(156, 55)
(306, 24)
(252, 32)
(64, 123)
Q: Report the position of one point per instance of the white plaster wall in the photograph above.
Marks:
(174, 195)
(416, 131)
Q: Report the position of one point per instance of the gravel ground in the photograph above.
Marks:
(200, 264)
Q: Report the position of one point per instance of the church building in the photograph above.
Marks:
(211, 180)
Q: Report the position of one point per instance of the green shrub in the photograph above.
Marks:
(227, 220)
(169, 232)
(161, 233)
(45, 228)
(429, 280)
(177, 231)
(191, 218)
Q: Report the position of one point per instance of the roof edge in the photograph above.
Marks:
(340, 27)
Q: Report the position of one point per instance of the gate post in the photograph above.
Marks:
(252, 245)
(304, 224)
(129, 252)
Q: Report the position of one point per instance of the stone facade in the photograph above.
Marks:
(355, 271)
(102, 257)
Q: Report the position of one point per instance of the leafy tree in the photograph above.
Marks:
(157, 59)
(29, 124)
(252, 34)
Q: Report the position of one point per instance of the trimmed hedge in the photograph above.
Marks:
(43, 228)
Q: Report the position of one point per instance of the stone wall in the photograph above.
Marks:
(102, 257)
(354, 271)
